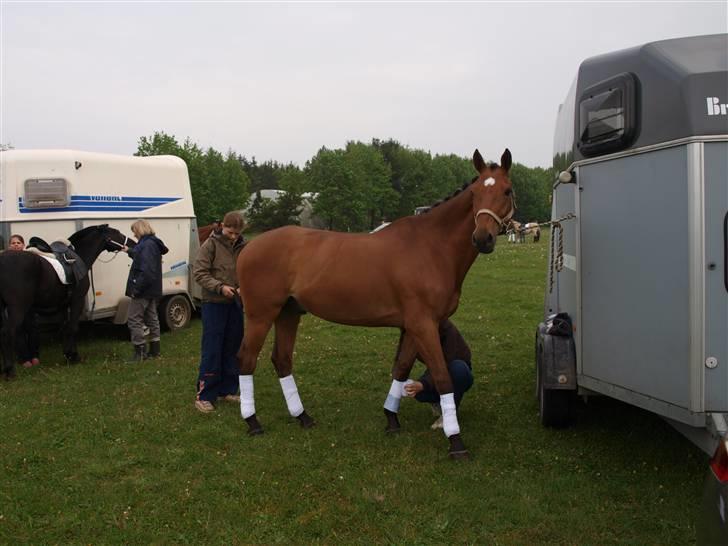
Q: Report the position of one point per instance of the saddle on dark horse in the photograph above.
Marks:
(73, 266)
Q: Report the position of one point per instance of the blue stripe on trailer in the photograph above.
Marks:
(92, 203)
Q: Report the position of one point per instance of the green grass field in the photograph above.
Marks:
(104, 452)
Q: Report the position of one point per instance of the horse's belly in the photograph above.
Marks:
(351, 306)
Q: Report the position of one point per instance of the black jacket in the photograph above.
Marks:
(145, 275)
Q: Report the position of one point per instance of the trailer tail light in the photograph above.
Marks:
(719, 462)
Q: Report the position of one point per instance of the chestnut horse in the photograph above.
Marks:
(407, 276)
(204, 232)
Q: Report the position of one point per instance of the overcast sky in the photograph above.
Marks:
(280, 80)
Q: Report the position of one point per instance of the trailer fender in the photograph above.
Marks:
(555, 376)
(558, 359)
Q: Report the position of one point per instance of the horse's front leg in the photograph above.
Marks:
(427, 342)
(403, 362)
(282, 357)
(70, 331)
(8, 328)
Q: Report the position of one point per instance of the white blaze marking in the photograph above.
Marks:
(489, 182)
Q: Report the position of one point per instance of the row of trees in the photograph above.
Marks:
(350, 189)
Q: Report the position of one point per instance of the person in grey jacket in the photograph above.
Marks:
(144, 287)
(222, 314)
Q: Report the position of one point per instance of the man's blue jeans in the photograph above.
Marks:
(222, 332)
(462, 380)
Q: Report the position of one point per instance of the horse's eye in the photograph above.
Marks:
(509, 192)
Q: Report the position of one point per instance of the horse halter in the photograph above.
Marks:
(120, 245)
(502, 222)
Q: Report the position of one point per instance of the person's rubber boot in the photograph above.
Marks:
(137, 356)
(154, 350)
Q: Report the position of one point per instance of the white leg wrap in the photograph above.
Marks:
(247, 396)
(394, 396)
(290, 393)
(449, 415)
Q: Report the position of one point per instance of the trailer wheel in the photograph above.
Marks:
(555, 406)
(175, 312)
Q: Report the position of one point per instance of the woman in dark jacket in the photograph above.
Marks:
(144, 287)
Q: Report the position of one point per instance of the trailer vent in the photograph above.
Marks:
(608, 115)
(41, 193)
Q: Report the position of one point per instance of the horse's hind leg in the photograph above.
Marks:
(255, 331)
(282, 357)
(403, 362)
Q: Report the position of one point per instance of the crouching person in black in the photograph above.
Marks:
(458, 359)
(144, 287)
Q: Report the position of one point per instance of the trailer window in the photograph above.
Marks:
(607, 115)
(46, 193)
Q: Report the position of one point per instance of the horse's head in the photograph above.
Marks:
(115, 240)
(493, 200)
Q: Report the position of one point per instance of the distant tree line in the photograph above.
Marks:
(355, 188)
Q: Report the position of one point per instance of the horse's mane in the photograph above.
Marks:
(490, 165)
(84, 232)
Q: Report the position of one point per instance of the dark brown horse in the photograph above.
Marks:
(407, 276)
(28, 281)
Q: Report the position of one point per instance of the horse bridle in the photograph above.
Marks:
(504, 222)
(120, 245)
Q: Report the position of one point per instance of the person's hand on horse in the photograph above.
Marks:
(227, 291)
(413, 388)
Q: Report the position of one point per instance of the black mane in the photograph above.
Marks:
(85, 231)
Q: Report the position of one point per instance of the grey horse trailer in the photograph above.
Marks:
(636, 304)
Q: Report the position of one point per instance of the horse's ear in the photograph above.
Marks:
(506, 160)
(478, 162)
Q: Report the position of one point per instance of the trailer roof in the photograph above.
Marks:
(677, 82)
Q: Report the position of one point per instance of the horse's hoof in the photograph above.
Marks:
(393, 426)
(458, 451)
(459, 455)
(254, 428)
(306, 420)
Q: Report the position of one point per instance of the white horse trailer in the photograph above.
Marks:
(636, 304)
(54, 193)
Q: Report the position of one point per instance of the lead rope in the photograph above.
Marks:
(93, 291)
(557, 239)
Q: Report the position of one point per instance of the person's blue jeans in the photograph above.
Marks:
(462, 380)
(222, 332)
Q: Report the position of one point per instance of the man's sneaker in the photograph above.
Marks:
(437, 424)
(231, 398)
(436, 411)
(204, 406)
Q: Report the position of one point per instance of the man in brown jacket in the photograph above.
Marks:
(222, 314)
